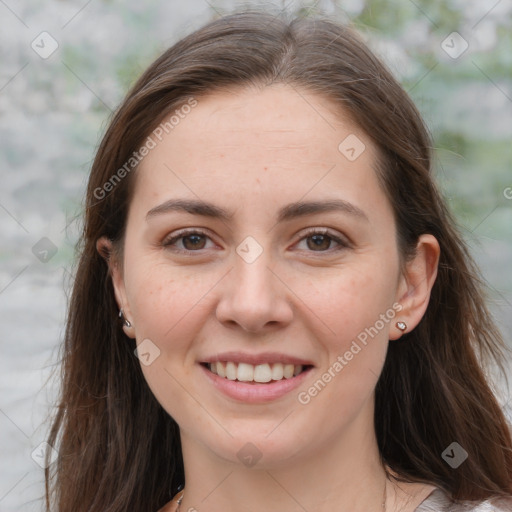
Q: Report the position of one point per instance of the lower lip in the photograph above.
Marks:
(255, 393)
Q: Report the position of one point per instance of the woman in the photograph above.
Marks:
(272, 307)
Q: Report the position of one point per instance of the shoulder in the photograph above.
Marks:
(173, 504)
(169, 507)
(439, 501)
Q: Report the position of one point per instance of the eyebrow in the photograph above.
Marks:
(287, 213)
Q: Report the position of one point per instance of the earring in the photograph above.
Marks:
(125, 321)
(401, 325)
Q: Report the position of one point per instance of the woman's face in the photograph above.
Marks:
(258, 234)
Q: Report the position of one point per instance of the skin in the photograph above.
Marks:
(252, 151)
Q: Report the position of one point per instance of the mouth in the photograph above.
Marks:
(266, 373)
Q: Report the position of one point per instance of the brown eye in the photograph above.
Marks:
(187, 241)
(319, 242)
(322, 240)
(191, 242)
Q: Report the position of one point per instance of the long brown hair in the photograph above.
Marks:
(118, 449)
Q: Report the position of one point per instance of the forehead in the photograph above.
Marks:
(273, 115)
(278, 140)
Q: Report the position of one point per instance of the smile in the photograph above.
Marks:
(255, 384)
(260, 373)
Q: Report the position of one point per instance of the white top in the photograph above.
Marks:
(439, 501)
(436, 501)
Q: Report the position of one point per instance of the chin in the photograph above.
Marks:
(254, 450)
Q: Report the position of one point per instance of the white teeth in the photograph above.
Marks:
(262, 373)
(231, 371)
(277, 371)
(288, 371)
(221, 369)
(244, 372)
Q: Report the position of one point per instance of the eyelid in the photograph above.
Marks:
(182, 233)
(342, 240)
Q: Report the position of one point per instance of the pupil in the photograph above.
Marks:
(320, 241)
(194, 239)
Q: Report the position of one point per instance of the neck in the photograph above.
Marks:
(343, 474)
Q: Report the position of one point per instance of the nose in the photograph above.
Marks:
(254, 297)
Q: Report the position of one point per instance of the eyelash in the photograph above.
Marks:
(342, 243)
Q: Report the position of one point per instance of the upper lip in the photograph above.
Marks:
(255, 359)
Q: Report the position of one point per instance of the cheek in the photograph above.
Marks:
(349, 301)
(168, 307)
(163, 298)
(352, 306)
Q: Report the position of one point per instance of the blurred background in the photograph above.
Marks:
(64, 68)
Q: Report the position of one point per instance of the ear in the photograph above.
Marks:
(105, 248)
(415, 284)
